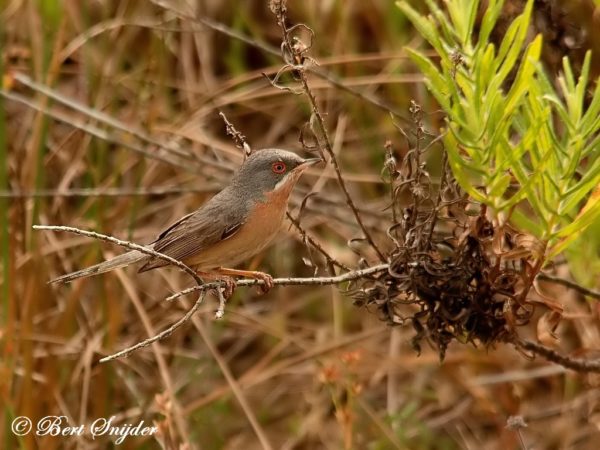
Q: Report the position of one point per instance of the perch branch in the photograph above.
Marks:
(289, 281)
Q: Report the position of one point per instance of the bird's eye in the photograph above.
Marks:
(278, 167)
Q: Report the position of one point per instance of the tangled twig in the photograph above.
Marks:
(570, 284)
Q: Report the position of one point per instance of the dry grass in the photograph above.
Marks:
(301, 367)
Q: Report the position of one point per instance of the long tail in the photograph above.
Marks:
(115, 263)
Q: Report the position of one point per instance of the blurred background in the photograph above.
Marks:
(109, 122)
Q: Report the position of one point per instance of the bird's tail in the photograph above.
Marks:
(115, 263)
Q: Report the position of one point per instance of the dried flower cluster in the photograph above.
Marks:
(452, 273)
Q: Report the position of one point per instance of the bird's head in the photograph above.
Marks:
(271, 172)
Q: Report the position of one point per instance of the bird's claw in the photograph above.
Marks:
(267, 282)
(228, 285)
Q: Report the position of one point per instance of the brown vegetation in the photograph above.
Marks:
(112, 124)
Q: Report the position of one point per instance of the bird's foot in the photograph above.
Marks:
(262, 276)
(224, 290)
(227, 286)
(266, 279)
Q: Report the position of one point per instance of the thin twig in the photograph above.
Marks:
(577, 364)
(163, 334)
(570, 284)
(201, 286)
(296, 51)
(547, 353)
(288, 281)
(517, 423)
(238, 138)
(316, 244)
(336, 166)
(129, 245)
(440, 195)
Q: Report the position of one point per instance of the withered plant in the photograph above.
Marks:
(514, 189)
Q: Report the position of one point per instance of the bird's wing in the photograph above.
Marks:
(190, 235)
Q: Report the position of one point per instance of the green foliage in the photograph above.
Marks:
(584, 256)
(515, 142)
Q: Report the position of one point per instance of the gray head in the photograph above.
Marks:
(269, 170)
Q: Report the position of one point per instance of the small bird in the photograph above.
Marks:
(234, 225)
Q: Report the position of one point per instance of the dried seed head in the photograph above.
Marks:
(278, 7)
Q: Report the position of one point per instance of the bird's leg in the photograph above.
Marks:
(264, 277)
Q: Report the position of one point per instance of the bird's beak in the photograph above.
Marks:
(308, 162)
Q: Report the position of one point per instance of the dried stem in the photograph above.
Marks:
(577, 364)
(391, 167)
(333, 159)
(316, 244)
(570, 284)
(238, 138)
(296, 51)
(440, 195)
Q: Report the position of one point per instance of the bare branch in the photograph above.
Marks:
(577, 364)
(570, 284)
(581, 365)
(310, 281)
(163, 334)
(126, 244)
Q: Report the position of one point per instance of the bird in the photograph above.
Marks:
(234, 225)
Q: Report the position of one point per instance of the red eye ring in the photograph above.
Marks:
(278, 167)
